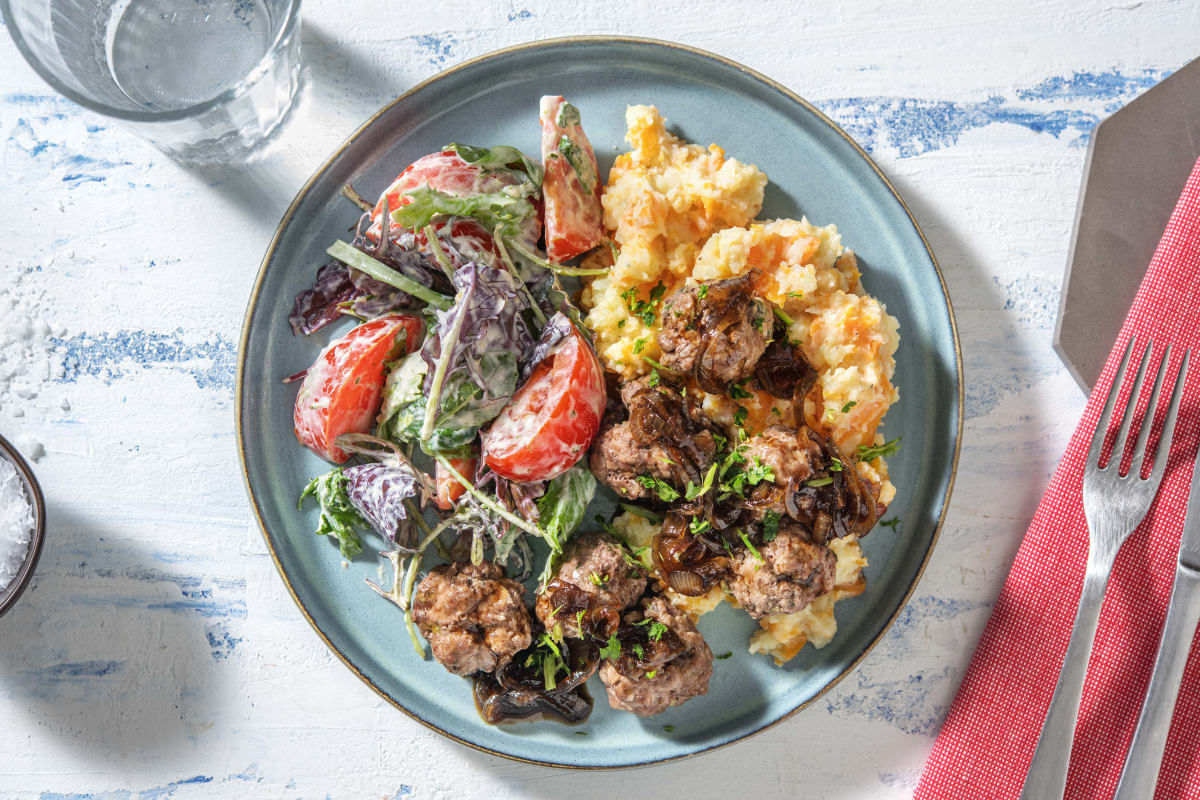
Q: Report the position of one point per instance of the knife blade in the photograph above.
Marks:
(1189, 547)
(1138, 160)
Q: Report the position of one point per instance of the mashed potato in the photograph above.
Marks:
(663, 200)
(679, 214)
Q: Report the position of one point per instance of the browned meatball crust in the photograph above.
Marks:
(793, 571)
(473, 616)
(719, 337)
(790, 454)
(647, 688)
(594, 575)
(673, 447)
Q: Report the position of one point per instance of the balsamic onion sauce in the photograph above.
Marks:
(517, 691)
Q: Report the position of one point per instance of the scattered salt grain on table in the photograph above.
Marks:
(16, 523)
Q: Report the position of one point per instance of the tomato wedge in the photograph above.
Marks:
(449, 490)
(342, 391)
(571, 186)
(445, 171)
(552, 418)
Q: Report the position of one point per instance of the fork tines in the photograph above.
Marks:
(1146, 422)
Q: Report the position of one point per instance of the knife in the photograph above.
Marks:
(1142, 763)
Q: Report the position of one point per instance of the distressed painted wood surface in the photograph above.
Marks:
(158, 654)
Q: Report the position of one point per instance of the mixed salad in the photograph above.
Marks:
(471, 386)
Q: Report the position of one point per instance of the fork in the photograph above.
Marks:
(1113, 505)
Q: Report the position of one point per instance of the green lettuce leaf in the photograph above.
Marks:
(560, 510)
(338, 517)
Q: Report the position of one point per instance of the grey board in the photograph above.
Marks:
(1137, 163)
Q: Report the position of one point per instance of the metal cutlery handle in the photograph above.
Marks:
(1047, 776)
(1142, 763)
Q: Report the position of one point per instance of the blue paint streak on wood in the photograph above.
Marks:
(163, 792)
(109, 356)
(69, 670)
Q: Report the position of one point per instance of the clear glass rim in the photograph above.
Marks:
(230, 94)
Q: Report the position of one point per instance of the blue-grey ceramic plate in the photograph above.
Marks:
(814, 169)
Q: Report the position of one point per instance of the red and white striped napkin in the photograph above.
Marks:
(989, 736)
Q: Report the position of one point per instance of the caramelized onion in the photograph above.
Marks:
(723, 307)
(641, 652)
(658, 416)
(685, 582)
(517, 691)
(843, 506)
(599, 620)
(690, 564)
(783, 369)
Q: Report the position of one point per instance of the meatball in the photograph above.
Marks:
(676, 667)
(793, 571)
(792, 455)
(595, 578)
(473, 616)
(617, 460)
(716, 331)
(661, 439)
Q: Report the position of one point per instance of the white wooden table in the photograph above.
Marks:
(158, 654)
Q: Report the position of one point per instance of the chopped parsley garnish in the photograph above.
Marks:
(702, 292)
(621, 323)
(665, 491)
(784, 318)
(644, 513)
(737, 392)
(668, 728)
(644, 309)
(720, 441)
(638, 651)
(546, 651)
(651, 674)
(654, 379)
(735, 477)
(611, 650)
(849, 406)
(597, 579)
(816, 482)
(891, 523)
(699, 526)
(739, 416)
(872, 452)
(725, 655)
(657, 629)
(579, 620)
(581, 733)
(639, 345)
(795, 294)
(753, 550)
(693, 491)
(836, 465)
(770, 526)
(775, 410)
(655, 364)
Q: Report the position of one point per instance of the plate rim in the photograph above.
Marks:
(302, 192)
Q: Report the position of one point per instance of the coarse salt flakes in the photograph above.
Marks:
(16, 523)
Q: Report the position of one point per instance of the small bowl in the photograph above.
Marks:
(10, 595)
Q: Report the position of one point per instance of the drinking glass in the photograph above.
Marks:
(203, 80)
